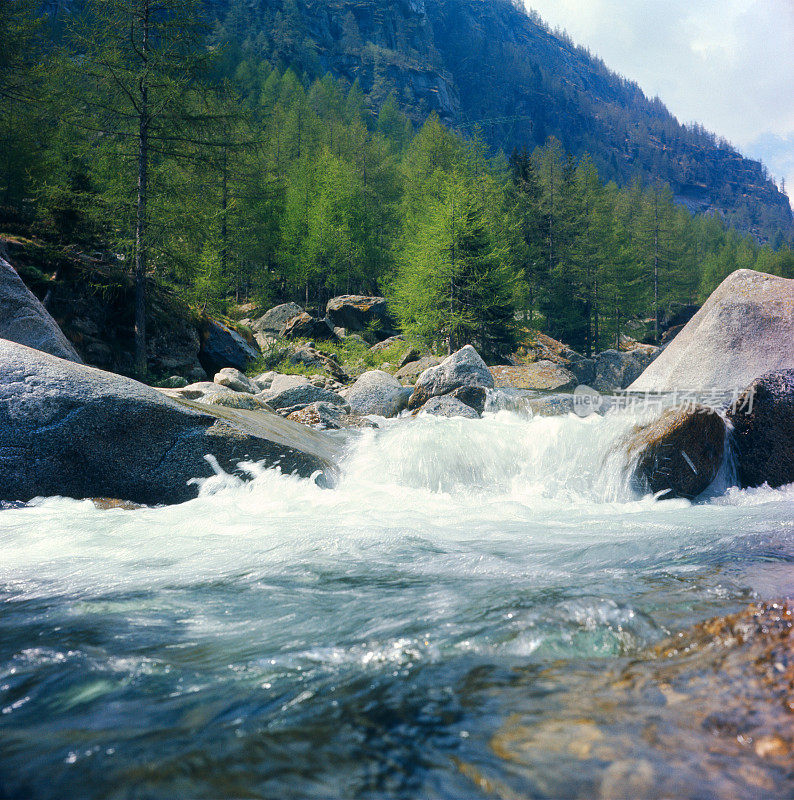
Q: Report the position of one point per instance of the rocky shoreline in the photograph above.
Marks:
(75, 430)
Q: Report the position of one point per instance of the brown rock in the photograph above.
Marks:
(544, 376)
(680, 452)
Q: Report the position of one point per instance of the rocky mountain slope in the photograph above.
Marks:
(490, 66)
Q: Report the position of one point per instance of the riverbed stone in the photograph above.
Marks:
(448, 406)
(743, 331)
(300, 396)
(680, 452)
(409, 374)
(545, 376)
(463, 368)
(72, 430)
(377, 392)
(236, 381)
(23, 319)
(763, 435)
(616, 370)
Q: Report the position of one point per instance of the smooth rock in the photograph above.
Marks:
(23, 319)
(463, 368)
(743, 331)
(234, 379)
(279, 383)
(222, 347)
(681, 451)
(545, 376)
(448, 406)
(763, 435)
(377, 392)
(71, 430)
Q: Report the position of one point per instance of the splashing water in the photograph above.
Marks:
(276, 639)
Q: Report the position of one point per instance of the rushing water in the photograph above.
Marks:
(275, 639)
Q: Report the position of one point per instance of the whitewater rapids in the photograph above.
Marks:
(273, 638)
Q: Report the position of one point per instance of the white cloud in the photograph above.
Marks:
(728, 64)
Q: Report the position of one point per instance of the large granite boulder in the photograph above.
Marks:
(223, 347)
(743, 331)
(67, 429)
(463, 368)
(377, 392)
(369, 315)
(272, 322)
(23, 319)
(545, 376)
(680, 452)
(763, 435)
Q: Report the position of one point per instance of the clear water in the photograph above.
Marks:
(274, 639)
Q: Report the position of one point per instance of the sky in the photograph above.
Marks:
(728, 64)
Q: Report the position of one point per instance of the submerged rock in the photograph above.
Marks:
(23, 319)
(377, 392)
(680, 453)
(763, 435)
(71, 430)
(743, 331)
(464, 368)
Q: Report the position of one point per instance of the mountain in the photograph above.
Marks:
(489, 66)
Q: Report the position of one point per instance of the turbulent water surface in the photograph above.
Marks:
(275, 639)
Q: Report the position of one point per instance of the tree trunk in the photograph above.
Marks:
(140, 220)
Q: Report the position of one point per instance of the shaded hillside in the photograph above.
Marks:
(490, 65)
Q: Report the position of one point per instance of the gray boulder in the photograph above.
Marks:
(235, 380)
(616, 370)
(23, 319)
(305, 326)
(369, 315)
(448, 406)
(763, 431)
(71, 430)
(463, 368)
(743, 331)
(297, 397)
(272, 322)
(377, 392)
(279, 382)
